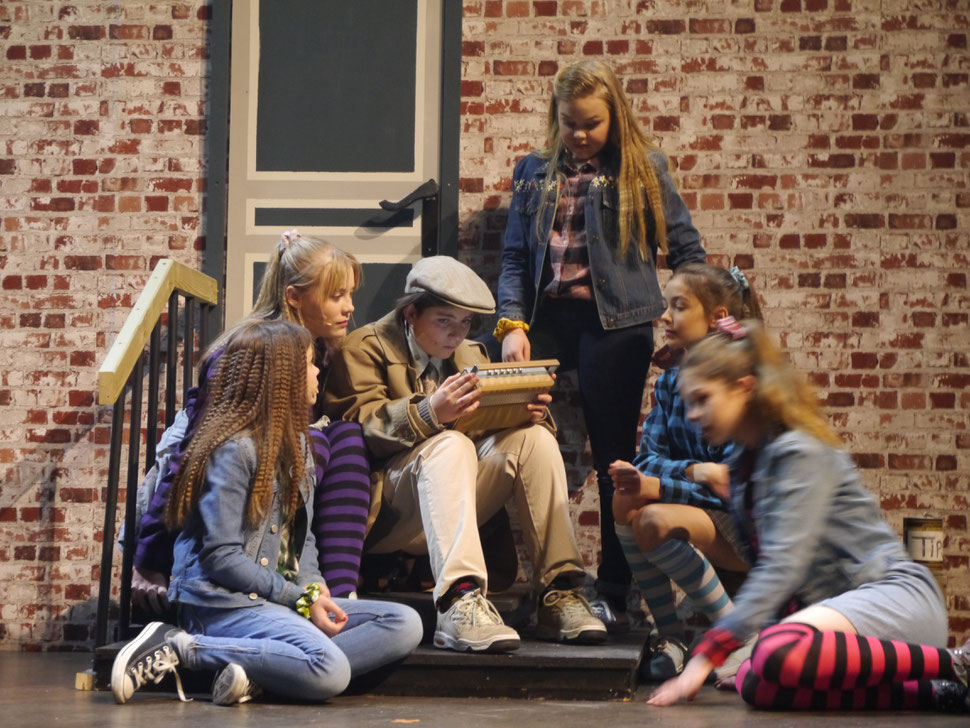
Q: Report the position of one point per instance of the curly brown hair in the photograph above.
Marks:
(258, 389)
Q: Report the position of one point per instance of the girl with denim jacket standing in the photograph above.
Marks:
(250, 596)
(862, 625)
(589, 214)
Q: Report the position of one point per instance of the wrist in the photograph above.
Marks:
(689, 473)
(308, 598)
(506, 326)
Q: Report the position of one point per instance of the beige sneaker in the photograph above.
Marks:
(473, 624)
(565, 616)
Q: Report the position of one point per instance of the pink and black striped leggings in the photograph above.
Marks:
(798, 667)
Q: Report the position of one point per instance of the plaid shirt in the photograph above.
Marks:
(670, 444)
(568, 258)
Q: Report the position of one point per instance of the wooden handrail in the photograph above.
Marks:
(168, 276)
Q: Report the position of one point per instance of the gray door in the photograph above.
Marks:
(335, 106)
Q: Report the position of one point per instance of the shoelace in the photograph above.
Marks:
(468, 610)
(567, 601)
(156, 666)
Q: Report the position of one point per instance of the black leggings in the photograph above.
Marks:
(612, 368)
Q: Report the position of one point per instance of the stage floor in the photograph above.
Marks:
(37, 689)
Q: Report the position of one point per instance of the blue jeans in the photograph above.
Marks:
(285, 654)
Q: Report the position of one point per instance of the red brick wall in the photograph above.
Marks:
(820, 147)
(101, 174)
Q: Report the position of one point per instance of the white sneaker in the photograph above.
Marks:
(664, 659)
(565, 616)
(473, 624)
(725, 674)
(232, 686)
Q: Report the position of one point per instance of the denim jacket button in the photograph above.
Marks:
(254, 595)
(274, 528)
(264, 561)
(601, 282)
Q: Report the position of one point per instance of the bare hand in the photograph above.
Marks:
(149, 590)
(629, 481)
(685, 685)
(458, 395)
(716, 476)
(539, 408)
(326, 615)
(516, 346)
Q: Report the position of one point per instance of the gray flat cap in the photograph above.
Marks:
(452, 282)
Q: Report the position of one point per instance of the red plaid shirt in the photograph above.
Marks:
(568, 272)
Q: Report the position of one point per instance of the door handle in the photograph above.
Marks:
(425, 191)
(428, 194)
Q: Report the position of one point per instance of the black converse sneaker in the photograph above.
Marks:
(147, 658)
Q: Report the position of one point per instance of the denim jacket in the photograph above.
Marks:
(627, 291)
(223, 561)
(819, 530)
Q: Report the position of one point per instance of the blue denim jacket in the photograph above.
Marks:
(627, 291)
(820, 531)
(223, 561)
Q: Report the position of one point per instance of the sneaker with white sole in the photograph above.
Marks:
(146, 659)
(473, 624)
(664, 659)
(616, 622)
(231, 686)
(725, 674)
(565, 616)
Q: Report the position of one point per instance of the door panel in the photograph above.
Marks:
(335, 106)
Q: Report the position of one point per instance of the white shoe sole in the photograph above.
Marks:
(120, 665)
(445, 641)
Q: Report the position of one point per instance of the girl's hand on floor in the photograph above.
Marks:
(516, 346)
(685, 685)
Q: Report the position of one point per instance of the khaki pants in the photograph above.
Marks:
(448, 485)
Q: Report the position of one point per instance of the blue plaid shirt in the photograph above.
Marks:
(670, 444)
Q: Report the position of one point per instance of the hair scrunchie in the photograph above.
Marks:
(742, 280)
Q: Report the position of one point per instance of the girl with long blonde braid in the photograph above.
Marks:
(861, 625)
(251, 601)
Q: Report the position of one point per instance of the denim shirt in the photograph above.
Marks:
(627, 292)
(820, 532)
(221, 560)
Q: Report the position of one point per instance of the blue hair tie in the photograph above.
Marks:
(737, 275)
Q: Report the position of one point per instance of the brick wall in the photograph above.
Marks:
(101, 174)
(820, 147)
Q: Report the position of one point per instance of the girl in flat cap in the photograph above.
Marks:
(407, 379)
